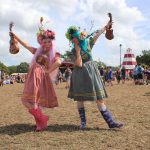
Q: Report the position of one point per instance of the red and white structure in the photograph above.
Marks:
(129, 60)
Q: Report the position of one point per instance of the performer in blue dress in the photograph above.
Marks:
(86, 83)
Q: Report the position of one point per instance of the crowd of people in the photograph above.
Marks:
(11, 79)
(64, 77)
(140, 75)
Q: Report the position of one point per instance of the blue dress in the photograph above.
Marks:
(86, 83)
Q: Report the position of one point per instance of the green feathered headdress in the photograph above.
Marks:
(72, 32)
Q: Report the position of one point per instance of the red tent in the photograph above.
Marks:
(66, 64)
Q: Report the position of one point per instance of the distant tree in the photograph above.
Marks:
(3, 67)
(115, 68)
(101, 64)
(68, 56)
(23, 67)
(144, 58)
(146, 52)
(12, 69)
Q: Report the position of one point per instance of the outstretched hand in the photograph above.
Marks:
(12, 34)
(109, 24)
(24, 44)
(75, 41)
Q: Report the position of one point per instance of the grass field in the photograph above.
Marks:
(128, 103)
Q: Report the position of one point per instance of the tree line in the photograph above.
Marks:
(21, 68)
(143, 59)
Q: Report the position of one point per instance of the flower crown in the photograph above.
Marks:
(47, 34)
(42, 34)
(72, 32)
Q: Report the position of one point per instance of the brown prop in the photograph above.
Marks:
(42, 60)
(109, 31)
(14, 48)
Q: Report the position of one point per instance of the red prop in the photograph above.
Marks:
(14, 48)
(109, 31)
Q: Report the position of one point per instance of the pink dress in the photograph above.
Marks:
(39, 88)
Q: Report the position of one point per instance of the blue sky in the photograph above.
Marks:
(131, 25)
(143, 6)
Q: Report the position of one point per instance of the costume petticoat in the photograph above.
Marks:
(38, 89)
(86, 83)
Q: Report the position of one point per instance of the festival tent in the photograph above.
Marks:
(66, 64)
(129, 60)
(15, 74)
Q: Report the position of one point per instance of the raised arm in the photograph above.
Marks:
(78, 61)
(24, 44)
(99, 32)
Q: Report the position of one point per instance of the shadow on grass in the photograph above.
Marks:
(147, 94)
(16, 129)
(72, 128)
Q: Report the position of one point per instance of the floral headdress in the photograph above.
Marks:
(72, 32)
(41, 34)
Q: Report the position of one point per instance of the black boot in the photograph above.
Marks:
(108, 118)
(83, 118)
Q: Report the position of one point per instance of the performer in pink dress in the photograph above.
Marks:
(38, 91)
